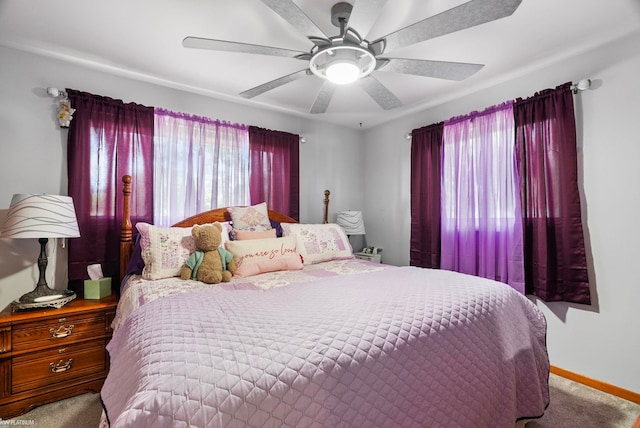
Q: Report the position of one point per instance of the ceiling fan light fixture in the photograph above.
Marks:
(342, 71)
(342, 64)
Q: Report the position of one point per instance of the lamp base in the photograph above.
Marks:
(43, 297)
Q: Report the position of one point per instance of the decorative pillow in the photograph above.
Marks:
(243, 235)
(136, 264)
(255, 217)
(319, 242)
(165, 249)
(265, 255)
(227, 227)
(276, 225)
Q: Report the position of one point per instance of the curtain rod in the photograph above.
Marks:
(55, 92)
(582, 85)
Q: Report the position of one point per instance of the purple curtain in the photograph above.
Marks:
(107, 139)
(481, 224)
(555, 260)
(274, 175)
(426, 160)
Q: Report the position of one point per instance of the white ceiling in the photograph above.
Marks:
(142, 39)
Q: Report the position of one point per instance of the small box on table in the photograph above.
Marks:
(97, 288)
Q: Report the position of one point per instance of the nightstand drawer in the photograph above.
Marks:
(57, 332)
(375, 258)
(57, 365)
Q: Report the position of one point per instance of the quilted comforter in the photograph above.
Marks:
(400, 347)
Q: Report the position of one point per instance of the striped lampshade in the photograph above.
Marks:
(351, 222)
(40, 216)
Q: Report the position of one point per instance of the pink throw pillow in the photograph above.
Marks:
(265, 255)
(243, 235)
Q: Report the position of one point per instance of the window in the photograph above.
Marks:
(200, 164)
(481, 226)
(179, 164)
(463, 203)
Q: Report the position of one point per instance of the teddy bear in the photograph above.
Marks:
(210, 263)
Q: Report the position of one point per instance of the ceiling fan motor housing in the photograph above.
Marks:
(340, 13)
(347, 51)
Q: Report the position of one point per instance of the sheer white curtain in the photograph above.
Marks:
(199, 164)
(481, 223)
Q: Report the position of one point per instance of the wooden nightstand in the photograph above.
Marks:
(375, 258)
(50, 354)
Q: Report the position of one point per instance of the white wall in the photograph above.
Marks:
(33, 150)
(601, 341)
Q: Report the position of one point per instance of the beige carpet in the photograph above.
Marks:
(572, 406)
(82, 411)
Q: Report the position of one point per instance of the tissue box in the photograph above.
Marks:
(97, 289)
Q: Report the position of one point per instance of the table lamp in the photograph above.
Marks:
(41, 217)
(351, 222)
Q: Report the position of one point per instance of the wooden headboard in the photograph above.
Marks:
(219, 214)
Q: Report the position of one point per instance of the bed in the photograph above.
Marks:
(338, 342)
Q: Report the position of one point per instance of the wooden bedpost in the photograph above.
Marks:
(325, 220)
(126, 241)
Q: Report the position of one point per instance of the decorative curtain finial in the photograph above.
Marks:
(65, 112)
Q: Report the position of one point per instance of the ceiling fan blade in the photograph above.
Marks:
(380, 93)
(261, 89)
(291, 13)
(223, 45)
(467, 15)
(364, 15)
(438, 69)
(323, 98)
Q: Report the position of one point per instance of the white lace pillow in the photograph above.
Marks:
(319, 242)
(165, 249)
(255, 217)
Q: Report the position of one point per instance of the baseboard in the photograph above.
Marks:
(596, 384)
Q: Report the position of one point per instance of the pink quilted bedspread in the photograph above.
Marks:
(401, 347)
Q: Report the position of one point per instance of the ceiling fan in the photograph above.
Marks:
(350, 57)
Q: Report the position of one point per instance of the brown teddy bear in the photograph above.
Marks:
(210, 263)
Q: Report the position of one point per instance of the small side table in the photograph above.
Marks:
(50, 354)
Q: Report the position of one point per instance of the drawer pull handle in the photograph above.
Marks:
(61, 366)
(62, 331)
